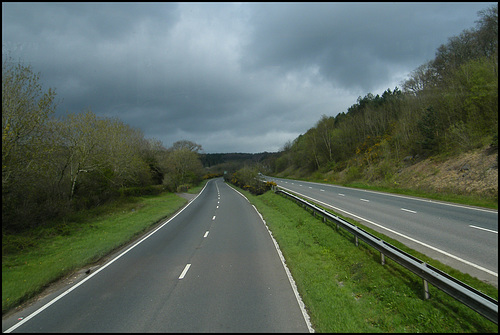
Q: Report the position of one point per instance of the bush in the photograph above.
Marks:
(353, 174)
(139, 191)
(182, 188)
(248, 179)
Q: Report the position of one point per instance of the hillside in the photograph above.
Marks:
(473, 173)
(436, 135)
(470, 173)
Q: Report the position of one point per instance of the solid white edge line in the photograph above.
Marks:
(481, 228)
(41, 309)
(289, 275)
(405, 197)
(186, 268)
(302, 306)
(402, 235)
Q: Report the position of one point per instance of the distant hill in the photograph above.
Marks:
(231, 162)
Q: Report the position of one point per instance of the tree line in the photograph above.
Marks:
(54, 166)
(446, 106)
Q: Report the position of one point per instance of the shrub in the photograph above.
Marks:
(248, 179)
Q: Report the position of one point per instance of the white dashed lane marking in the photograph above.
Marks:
(186, 268)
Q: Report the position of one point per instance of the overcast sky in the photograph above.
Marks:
(245, 77)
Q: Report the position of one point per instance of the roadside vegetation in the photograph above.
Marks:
(76, 188)
(48, 253)
(446, 109)
(346, 289)
(53, 167)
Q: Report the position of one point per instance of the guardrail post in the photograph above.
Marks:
(426, 290)
(356, 240)
(474, 299)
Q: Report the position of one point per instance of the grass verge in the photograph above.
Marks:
(343, 286)
(48, 254)
(346, 289)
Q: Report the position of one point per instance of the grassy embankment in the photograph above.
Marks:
(343, 286)
(32, 261)
(346, 289)
(469, 178)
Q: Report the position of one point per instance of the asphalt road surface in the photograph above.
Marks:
(463, 237)
(213, 267)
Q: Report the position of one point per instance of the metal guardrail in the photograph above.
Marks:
(474, 299)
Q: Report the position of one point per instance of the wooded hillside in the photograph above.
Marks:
(447, 106)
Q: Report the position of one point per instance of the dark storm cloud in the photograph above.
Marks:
(232, 77)
(356, 45)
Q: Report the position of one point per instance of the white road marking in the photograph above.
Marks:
(488, 230)
(342, 195)
(47, 305)
(289, 275)
(213, 218)
(412, 198)
(322, 190)
(364, 200)
(408, 210)
(206, 234)
(186, 268)
(402, 235)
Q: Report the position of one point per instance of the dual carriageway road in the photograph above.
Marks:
(214, 266)
(463, 237)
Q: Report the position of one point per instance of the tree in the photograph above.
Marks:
(420, 78)
(487, 31)
(25, 111)
(182, 165)
(153, 154)
(26, 141)
(188, 145)
(81, 139)
(325, 128)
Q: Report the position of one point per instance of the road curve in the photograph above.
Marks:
(211, 268)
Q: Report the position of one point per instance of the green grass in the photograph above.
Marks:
(31, 262)
(346, 289)
(464, 199)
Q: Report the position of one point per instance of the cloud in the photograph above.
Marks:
(354, 45)
(233, 77)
